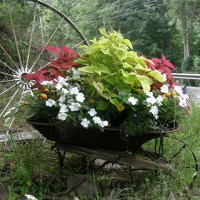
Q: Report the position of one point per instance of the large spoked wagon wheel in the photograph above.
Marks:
(25, 28)
(171, 150)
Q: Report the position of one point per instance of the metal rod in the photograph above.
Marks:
(186, 76)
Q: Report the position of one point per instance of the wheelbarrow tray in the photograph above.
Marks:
(109, 138)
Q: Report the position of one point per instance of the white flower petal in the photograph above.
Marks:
(74, 90)
(80, 97)
(58, 86)
(97, 120)
(62, 116)
(74, 106)
(50, 103)
(92, 112)
(154, 111)
(85, 123)
(164, 89)
(61, 99)
(132, 100)
(159, 100)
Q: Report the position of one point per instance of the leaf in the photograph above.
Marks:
(127, 66)
(99, 86)
(114, 101)
(95, 69)
(53, 49)
(103, 32)
(69, 50)
(102, 105)
(87, 69)
(104, 69)
(128, 43)
(140, 67)
(125, 73)
(157, 75)
(145, 82)
(122, 55)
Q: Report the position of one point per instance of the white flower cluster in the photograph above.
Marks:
(71, 100)
(183, 98)
(96, 120)
(153, 103)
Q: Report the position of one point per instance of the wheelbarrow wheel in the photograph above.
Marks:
(172, 151)
(27, 27)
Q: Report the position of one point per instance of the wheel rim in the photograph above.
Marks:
(22, 38)
(175, 152)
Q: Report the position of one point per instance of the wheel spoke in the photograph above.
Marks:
(13, 118)
(31, 37)
(46, 44)
(8, 89)
(78, 44)
(7, 66)
(42, 32)
(6, 53)
(13, 29)
(177, 153)
(9, 102)
(4, 73)
(7, 81)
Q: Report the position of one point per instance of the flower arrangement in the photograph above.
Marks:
(107, 85)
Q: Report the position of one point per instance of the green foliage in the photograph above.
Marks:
(110, 66)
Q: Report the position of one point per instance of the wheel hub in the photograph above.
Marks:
(21, 80)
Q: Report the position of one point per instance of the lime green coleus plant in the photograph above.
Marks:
(110, 65)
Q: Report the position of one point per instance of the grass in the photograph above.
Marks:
(29, 167)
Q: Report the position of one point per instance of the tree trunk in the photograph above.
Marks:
(188, 14)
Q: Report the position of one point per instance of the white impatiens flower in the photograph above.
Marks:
(62, 116)
(164, 89)
(178, 89)
(50, 103)
(74, 90)
(105, 123)
(80, 97)
(159, 100)
(63, 108)
(92, 112)
(151, 100)
(58, 86)
(61, 99)
(65, 91)
(30, 197)
(74, 106)
(102, 124)
(97, 120)
(149, 94)
(85, 123)
(132, 100)
(154, 111)
(183, 100)
(44, 83)
(63, 81)
(76, 73)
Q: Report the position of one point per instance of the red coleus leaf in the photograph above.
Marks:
(53, 49)
(164, 66)
(156, 61)
(167, 63)
(47, 74)
(68, 50)
(65, 59)
(150, 65)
